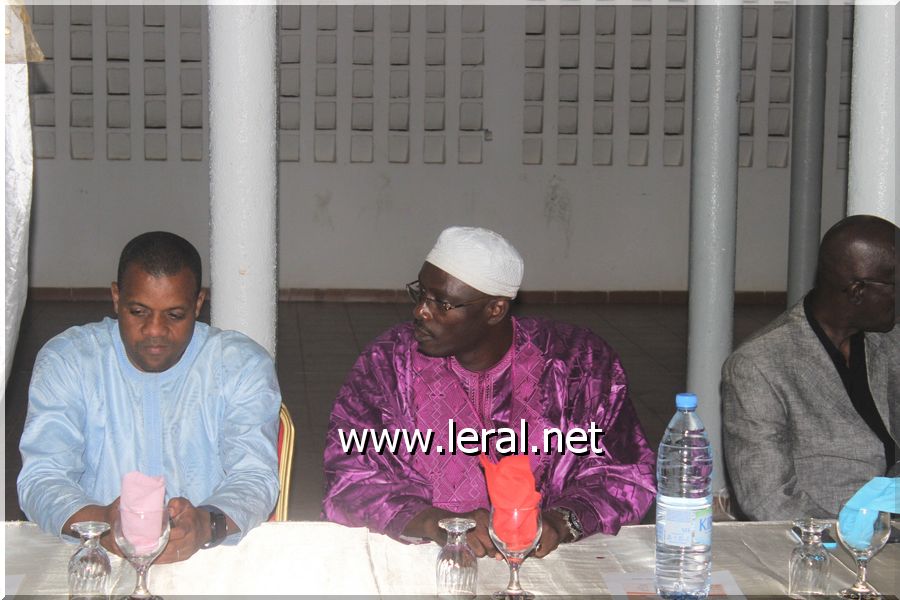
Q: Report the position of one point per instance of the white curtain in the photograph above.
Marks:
(19, 171)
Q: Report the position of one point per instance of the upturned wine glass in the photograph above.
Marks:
(809, 571)
(863, 532)
(457, 565)
(89, 567)
(142, 536)
(515, 532)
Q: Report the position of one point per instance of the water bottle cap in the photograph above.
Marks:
(686, 401)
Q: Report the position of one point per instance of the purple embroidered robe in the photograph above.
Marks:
(560, 376)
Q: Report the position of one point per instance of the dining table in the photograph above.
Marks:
(319, 558)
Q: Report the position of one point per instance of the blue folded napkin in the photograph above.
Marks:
(880, 494)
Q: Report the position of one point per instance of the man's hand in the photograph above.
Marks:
(553, 531)
(106, 514)
(188, 530)
(479, 539)
(425, 525)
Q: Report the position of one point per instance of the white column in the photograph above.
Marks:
(714, 171)
(872, 177)
(243, 170)
(807, 136)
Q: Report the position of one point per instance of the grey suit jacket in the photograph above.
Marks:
(794, 444)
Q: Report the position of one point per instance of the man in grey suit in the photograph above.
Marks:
(811, 403)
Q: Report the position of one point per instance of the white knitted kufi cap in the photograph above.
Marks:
(480, 258)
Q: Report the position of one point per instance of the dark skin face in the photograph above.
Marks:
(156, 316)
(856, 283)
(874, 297)
(478, 334)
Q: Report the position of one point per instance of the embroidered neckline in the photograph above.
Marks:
(478, 386)
(491, 372)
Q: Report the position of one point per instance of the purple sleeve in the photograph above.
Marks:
(618, 487)
(380, 491)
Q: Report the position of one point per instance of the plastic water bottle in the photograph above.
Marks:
(684, 505)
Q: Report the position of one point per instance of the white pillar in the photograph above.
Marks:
(243, 170)
(807, 135)
(714, 171)
(872, 177)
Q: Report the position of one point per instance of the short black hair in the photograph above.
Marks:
(160, 254)
(850, 244)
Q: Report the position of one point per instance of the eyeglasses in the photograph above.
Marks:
(870, 282)
(876, 282)
(417, 295)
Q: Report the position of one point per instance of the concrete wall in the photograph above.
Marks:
(584, 217)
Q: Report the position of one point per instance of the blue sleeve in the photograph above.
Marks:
(52, 443)
(248, 440)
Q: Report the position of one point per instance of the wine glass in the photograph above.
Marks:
(863, 532)
(142, 536)
(515, 532)
(89, 567)
(457, 565)
(809, 570)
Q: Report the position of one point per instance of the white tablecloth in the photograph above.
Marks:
(324, 558)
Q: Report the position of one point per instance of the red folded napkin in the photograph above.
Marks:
(141, 509)
(515, 502)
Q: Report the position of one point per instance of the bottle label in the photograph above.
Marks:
(684, 521)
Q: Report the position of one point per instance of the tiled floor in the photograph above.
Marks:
(318, 342)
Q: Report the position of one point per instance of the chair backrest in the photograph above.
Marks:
(285, 458)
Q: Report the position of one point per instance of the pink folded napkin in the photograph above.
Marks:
(141, 509)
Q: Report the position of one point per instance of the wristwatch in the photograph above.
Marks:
(572, 522)
(217, 526)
